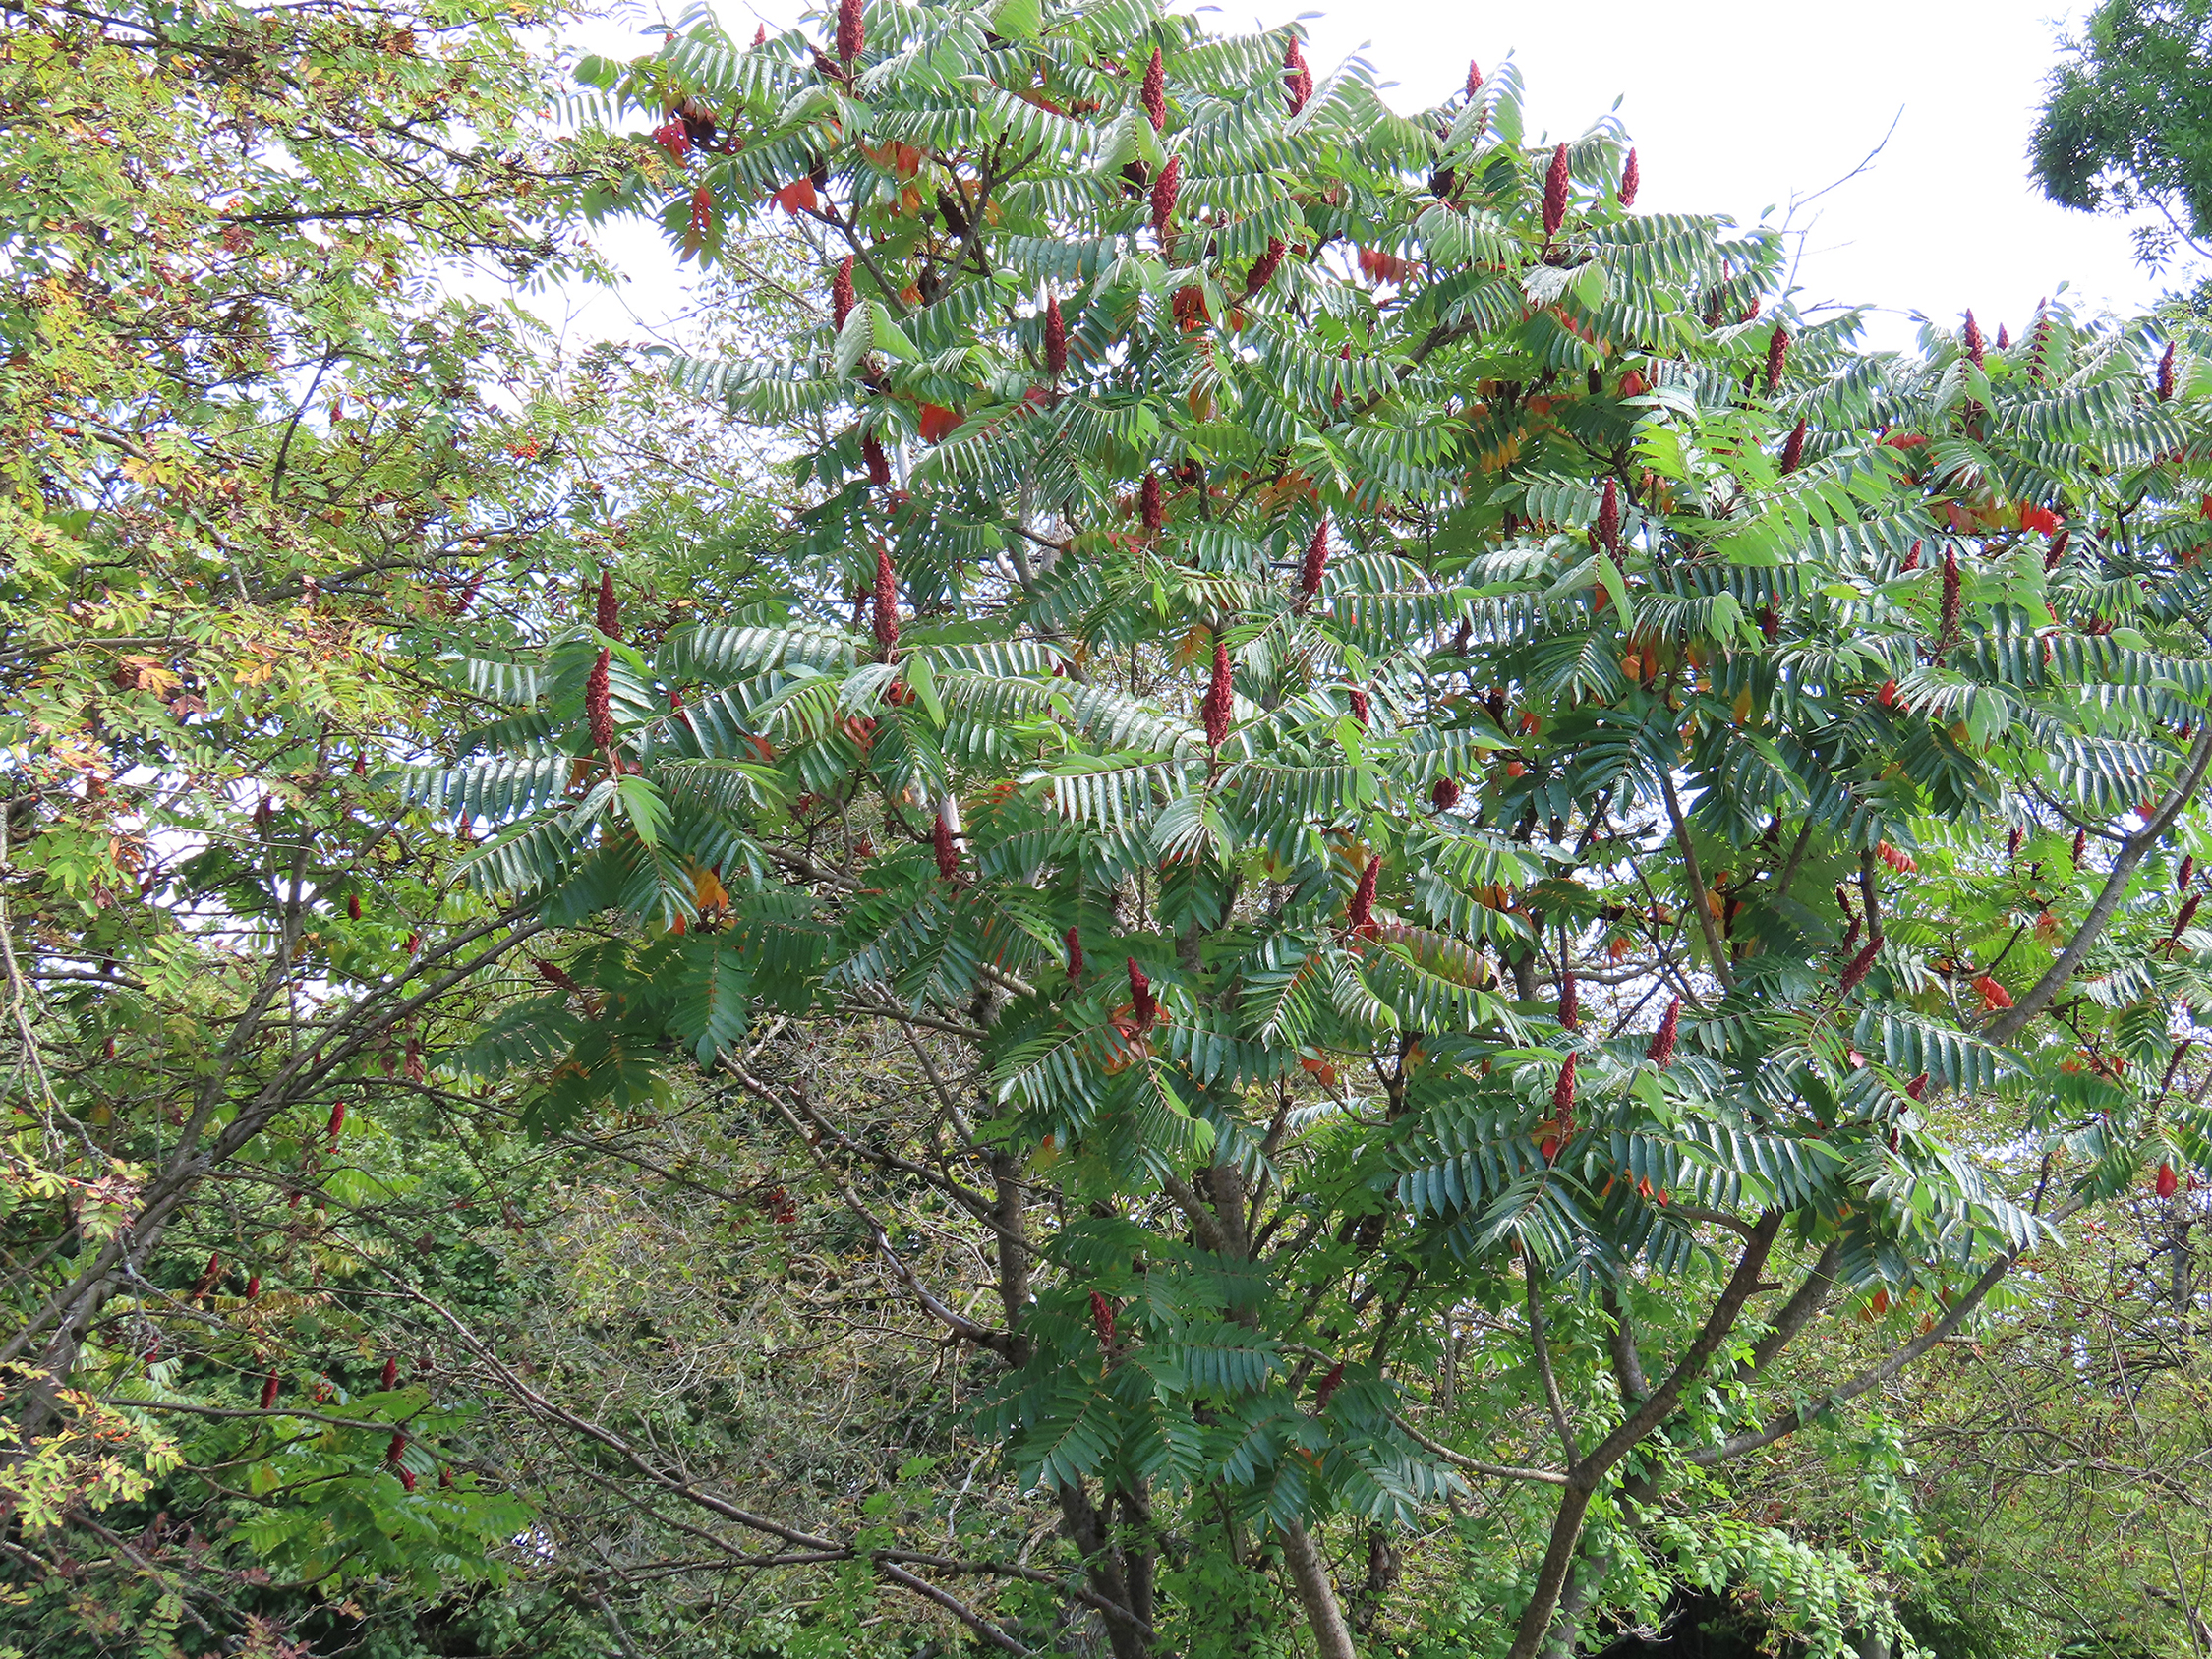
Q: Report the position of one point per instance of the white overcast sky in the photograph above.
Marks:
(1734, 108)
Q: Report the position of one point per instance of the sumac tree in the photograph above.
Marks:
(1478, 826)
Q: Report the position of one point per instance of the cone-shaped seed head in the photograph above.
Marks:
(1316, 562)
(608, 613)
(1055, 340)
(598, 706)
(886, 601)
(1164, 189)
(1217, 696)
(948, 853)
(1557, 183)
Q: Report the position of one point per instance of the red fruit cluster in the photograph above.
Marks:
(1662, 1039)
(1359, 920)
(2166, 374)
(552, 973)
(948, 853)
(1608, 518)
(270, 1384)
(1075, 955)
(1142, 1003)
(886, 602)
(1974, 352)
(1861, 966)
(1570, 1004)
(1474, 78)
(1563, 1094)
(1164, 189)
(598, 706)
(1778, 358)
(1298, 80)
(607, 612)
(1218, 693)
(1793, 448)
(1947, 623)
(852, 35)
(353, 908)
(1153, 98)
(1316, 562)
(1557, 183)
(1151, 509)
(1631, 180)
(879, 464)
(840, 294)
(1263, 269)
(1444, 794)
(1102, 1310)
(1359, 711)
(1330, 1385)
(1055, 341)
(2187, 915)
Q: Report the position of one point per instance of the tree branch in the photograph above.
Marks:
(1699, 898)
(2031, 1002)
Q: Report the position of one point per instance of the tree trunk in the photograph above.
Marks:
(1103, 1566)
(1383, 1566)
(1551, 1577)
(1332, 1638)
(1529, 1639)
(1589, 1568)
